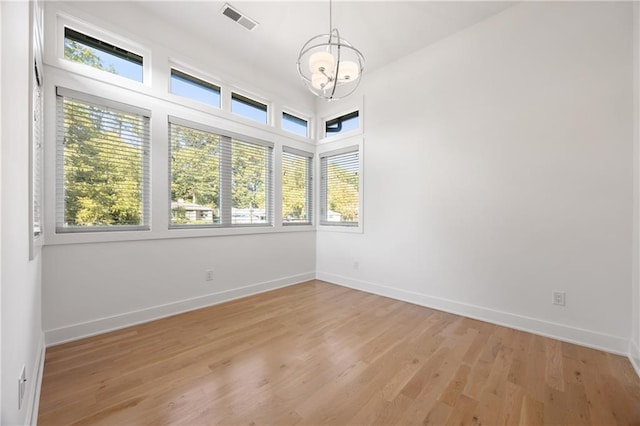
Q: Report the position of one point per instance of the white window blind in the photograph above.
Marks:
(297, 198)
(340, 187)
(195, 176)
(36, 151)
(250, 182)
(218, 180)
(102, 165)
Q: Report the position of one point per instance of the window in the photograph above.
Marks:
(36, 152)
(249, 108)
(193, 88)
(340, 187)
(342, 124)
(296, 186)
(218, 180)
(293, 124)
(87, 50)
(102, 165)
(195, 176)
(251, 192)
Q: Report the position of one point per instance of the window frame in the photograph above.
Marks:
(324, 137)
(344, 145)
(250, 101)
(104, 47)
(65, 21)
(196, 80)
(146, 207)
(286, 111)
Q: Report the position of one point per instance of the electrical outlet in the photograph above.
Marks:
(209, 275)
(559, 298)
(356, 265)
(22, 386)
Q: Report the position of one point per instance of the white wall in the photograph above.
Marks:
(90, 288)
(634, 347)
(498, 167)
(21, 306)
(1, 144)
(97, 286)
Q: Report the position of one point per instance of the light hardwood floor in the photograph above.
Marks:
(317, 353)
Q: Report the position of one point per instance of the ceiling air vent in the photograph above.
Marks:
(235, 15)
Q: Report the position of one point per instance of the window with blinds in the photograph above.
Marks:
(36, 153)
(195, 176)
(102, 164)
(251, 191)
(340, 187)
(218, 180)
(297, 184)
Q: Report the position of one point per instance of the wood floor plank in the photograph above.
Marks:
(532, 412)
(488, 409)
(510, 409)
(464, 412)
(454, 388)
(317, 353)
(438, 415)
(554, 376)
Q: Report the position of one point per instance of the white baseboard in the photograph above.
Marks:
(614, 344)
(34, 388)
(103, 325)
(634, 356)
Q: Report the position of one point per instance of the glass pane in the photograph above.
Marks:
(249, 183)
(95, 53)
(294, 124)
(195, 177)
(341, 188)
(248, 108)
(193, 88)
(343, 124)
(296, 188)
(104, 162)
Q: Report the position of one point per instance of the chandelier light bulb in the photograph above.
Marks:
(348, 71)
(319, 81)
(321, 62)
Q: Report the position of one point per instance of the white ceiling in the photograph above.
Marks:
(383, 30)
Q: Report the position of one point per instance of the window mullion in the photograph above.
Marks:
(323, 189)
(310, 190)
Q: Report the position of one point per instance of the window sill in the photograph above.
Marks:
(341, 228)
(126, 236)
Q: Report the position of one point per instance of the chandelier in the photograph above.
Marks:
(329, 65)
